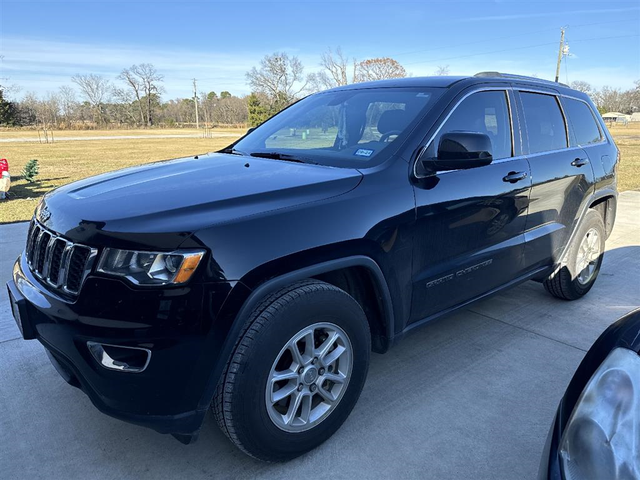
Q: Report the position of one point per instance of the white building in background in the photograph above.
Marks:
(616, 117)
(635, 117)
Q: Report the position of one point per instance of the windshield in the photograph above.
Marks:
(349, 128)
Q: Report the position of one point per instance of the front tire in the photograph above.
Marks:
(296, 373)
(577, 274)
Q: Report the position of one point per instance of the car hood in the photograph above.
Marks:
(188, 194)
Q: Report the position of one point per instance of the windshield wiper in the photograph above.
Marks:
(281, 156)
(233, 151)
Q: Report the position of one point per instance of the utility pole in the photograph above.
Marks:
(560, 52)
(195, 101)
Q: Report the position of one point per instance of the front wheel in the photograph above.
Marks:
(578, 272)
(296, 372)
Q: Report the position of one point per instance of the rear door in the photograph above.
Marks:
(585, 133)
(562, 178)
(469, 236)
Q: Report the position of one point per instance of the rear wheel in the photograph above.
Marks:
(296, 373)
(577, 274)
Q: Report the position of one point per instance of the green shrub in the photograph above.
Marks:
(30, 170)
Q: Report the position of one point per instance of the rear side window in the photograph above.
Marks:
(484, 112)
(585, 128)
(545, 124)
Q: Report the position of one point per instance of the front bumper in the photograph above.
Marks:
(168, 395)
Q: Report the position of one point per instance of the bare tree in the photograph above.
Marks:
(337, 71)
(379, 69)
(634, 97)
(609, 99)
(582, 86)
(134, 83)
(144, 81)
(124, 108)
(150, 79)
(68, 102)
(51, 107)
(96, 90)
(442, 70)
(230, 110)
(280, 77)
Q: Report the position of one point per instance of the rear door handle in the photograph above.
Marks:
(580, 162)
(514, 177)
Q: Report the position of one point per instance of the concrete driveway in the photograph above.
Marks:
(469, 396)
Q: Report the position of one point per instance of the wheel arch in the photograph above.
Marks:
(606, 205)
(358, 275)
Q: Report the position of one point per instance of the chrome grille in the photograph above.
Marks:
(61, 264)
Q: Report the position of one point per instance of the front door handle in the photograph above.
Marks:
(514, 177)
(580, 162)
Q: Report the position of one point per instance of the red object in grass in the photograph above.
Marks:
(4, 165)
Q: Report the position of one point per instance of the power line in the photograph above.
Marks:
(505, 37)
(517, 48)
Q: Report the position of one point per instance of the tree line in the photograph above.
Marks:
(134, 97)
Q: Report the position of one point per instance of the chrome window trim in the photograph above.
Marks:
(556, 95)
(567, 135)
(603, 138)
(504, 89)
(513, 89)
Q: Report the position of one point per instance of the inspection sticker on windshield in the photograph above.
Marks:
(364, 152)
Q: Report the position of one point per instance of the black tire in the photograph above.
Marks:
(240, 405)
(563, 283)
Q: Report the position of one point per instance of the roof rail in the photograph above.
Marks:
(517, 77)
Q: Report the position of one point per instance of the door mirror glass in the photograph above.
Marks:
(461, 150)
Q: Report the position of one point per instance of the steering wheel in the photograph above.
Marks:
(385, 136)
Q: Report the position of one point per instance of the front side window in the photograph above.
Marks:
(545, 123)
(483, 112)
(585, 128)
(344, 128)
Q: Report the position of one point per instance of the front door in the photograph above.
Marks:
(470, 223)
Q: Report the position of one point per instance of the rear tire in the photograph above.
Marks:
(578, 272)
(306, 313)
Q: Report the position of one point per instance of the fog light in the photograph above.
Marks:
(122, 359)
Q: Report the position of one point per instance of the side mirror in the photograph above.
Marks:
(461, 150)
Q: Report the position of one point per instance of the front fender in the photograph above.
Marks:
(232, 320)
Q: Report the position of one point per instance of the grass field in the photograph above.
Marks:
(628, 140)
(33, 134)
(66, 161)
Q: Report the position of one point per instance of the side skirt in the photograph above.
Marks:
(538, 273)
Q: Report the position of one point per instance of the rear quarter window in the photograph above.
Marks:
(545, 123)
(585, 128)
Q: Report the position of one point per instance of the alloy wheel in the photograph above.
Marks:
(588, 255)
(309, 377)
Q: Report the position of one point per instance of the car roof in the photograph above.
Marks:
(438, 82)
(449, 81)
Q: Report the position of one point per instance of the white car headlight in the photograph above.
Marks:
(602, 437)
(150, 268)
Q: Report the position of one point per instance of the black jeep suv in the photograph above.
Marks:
(256, 280)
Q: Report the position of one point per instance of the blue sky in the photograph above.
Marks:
(44, 43)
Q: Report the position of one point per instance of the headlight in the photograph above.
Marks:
(602, 435)
(150, 268)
